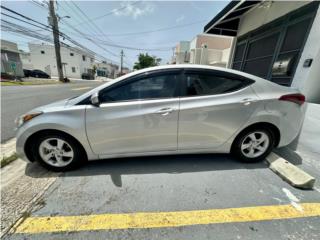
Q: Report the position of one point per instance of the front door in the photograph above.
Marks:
(138, 115)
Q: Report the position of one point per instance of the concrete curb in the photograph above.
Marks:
(8, 148)
(289, 172)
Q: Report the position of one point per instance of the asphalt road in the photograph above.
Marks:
(171, 184)
(17, 100)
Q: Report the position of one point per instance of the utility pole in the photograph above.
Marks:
(55, 30)
(121, 61)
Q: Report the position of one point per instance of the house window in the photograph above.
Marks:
(83, 57)
(42, 52)
(71, 54)
(73, 69)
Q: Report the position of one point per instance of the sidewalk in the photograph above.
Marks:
(8, 148)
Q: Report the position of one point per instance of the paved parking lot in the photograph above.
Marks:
(168, 185)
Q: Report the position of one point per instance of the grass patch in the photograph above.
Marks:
(40, 82)
(6, 160)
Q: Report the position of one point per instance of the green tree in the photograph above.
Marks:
(144, 61)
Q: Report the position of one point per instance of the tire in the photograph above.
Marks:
(253, 145)
(65, 152)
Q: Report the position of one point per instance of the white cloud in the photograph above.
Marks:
(128, 9)
(180, 19)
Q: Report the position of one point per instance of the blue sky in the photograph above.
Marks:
(123, 17)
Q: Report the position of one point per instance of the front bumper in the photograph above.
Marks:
(21, 139)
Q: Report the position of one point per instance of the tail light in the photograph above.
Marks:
(297, 98)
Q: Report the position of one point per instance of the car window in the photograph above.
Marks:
(197, 84)
(152, 87)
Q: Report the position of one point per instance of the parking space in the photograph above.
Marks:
(172, 189)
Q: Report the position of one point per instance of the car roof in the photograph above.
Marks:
(172, 66)
(194, 66)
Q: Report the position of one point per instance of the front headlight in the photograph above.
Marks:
(26, 117)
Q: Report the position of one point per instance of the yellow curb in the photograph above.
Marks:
(165, 219)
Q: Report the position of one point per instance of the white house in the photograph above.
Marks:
(74, 61)
(276, 40)
(181, 53)
(26, 60)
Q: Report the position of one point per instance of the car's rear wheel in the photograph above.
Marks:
(58, 153)
(253, 145)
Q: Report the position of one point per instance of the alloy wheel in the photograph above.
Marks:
(56, 152)
(255, 144)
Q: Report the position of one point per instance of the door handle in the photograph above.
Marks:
(248, 100)
(164, 111)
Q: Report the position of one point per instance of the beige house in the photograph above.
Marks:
(205, 49)
(208, 49)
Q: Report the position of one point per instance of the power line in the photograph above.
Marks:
(109, 13)
(21, 15)
(92, 23)
(157, 30)
(95, 27)
(45, 27)
(38, 4)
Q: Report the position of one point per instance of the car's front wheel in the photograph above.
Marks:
(253, 145)
(58, 153)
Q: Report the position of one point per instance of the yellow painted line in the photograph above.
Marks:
(81, 88)
(165, 219)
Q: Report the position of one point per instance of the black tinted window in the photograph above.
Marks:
(210, 84)
(160, 86)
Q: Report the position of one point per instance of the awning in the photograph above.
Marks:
(226, 22)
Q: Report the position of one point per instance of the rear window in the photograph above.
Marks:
(211, 83)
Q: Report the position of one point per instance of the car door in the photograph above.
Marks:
(136, 115)
(213, 106)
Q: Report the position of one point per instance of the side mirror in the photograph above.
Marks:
(95, 99)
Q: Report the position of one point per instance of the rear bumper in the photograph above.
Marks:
(291, 124)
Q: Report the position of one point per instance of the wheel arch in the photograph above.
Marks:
(265, 125)
(31, 139)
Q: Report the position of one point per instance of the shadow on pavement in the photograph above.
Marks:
(290, 155)
(173, 164)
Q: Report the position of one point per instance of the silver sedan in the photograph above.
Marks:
(176, 109)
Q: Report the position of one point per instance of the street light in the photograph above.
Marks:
(59, 18)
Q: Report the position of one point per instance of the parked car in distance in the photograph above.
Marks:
(38, 74)
(27, 72)
(177, 109)
(87, 76)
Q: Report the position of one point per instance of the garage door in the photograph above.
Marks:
(273, 51)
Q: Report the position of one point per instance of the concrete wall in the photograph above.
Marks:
(305, 79)
(265, 13)
(47, 61)
(308, 79)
